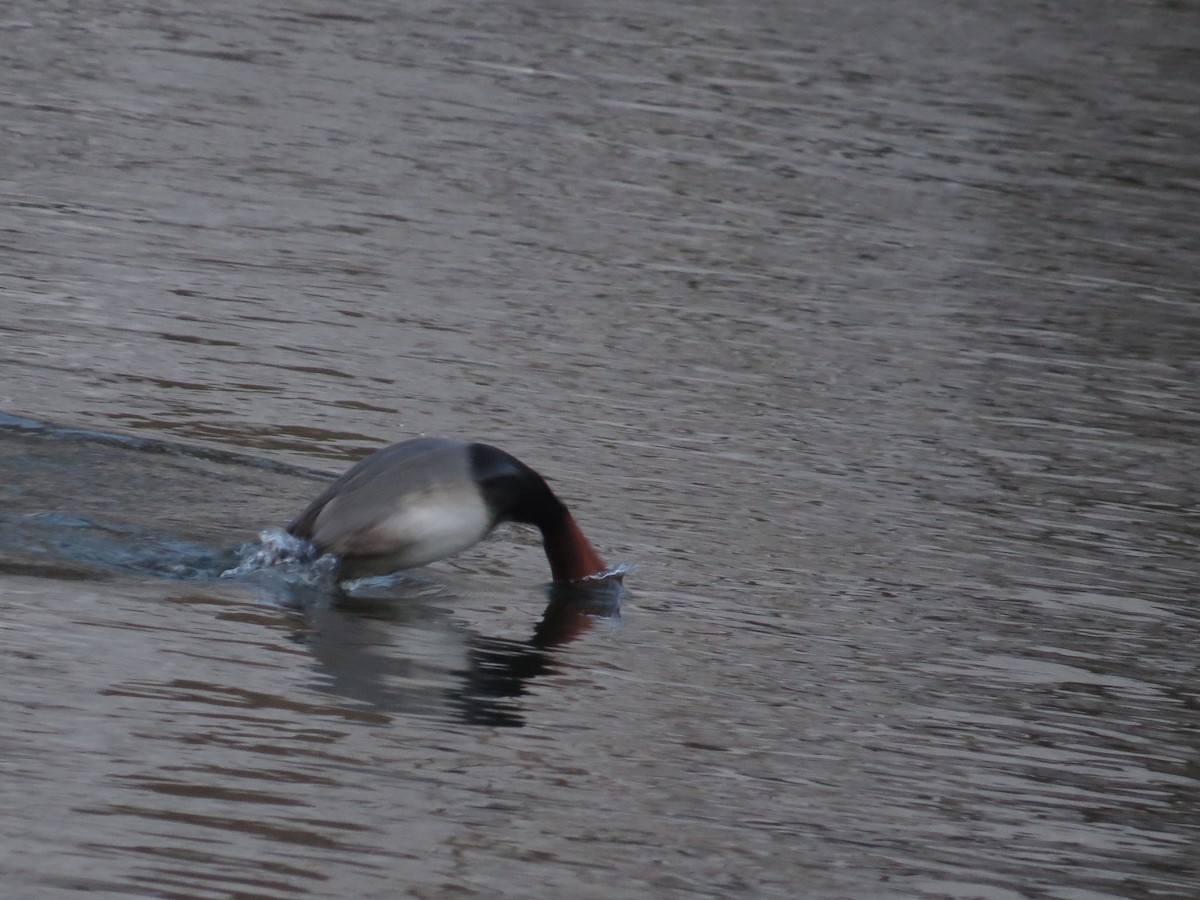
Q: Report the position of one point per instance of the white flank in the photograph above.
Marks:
(433, 526)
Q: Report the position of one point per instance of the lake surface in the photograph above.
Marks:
(868, 333)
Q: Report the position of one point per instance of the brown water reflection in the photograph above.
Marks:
(867, 331)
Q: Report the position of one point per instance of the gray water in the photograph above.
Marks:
(866, 332)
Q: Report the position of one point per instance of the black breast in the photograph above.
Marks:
(512, 490)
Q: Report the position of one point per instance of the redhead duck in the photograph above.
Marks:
(425, 499)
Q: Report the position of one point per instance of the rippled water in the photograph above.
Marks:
(866, 332)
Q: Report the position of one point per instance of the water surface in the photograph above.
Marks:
(868, 333)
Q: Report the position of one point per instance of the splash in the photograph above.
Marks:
(276, 548)
(617, 572)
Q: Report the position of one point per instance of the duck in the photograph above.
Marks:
(425, 499)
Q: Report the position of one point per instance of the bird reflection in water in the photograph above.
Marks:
(399, 653)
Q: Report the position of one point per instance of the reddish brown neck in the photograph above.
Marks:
(571, 555)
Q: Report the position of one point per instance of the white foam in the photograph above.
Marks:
(620, 570)
(275, 547)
